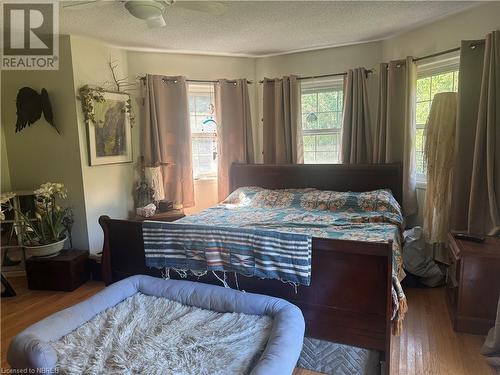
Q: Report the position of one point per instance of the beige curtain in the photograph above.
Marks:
(356, 131)
(476, 187)
(167, 135)
(395, 127)
(491, 346)
(439, 146)
(234, 130)
(282, 121)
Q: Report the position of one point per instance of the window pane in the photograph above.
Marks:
(423, 109)
(309, 143)
(424, 89)
(192, 107)
(309, 103)
(322, 121)
(419, 151)
(205, 163)
(196, 124)
(202, 104)
(309, 157)
(337, 120)
(204, 139)
(327, 101)
(324, 142)
(205, 145)
(310, 120)
(442, 83)
(455, 81)
(325, 157)
(326, 120)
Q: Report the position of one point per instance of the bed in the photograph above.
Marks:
(350, 297)
(144, 324)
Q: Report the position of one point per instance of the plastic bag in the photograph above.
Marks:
(418, 261)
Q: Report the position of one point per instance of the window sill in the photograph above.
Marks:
(422, 184)
(206, 179)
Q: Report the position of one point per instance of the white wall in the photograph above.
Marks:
(108, 188)
(196, 67)
(38, 154)
(446, 33)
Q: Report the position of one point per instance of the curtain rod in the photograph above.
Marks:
(328, 75)
(143, 78)
(472, 46)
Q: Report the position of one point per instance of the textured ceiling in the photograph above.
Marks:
(256, 28)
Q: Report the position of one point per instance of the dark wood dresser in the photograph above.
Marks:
(473, 284)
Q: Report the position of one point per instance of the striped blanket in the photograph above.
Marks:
(251, 252)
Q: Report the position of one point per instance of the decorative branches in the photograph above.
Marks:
(122, 84)
(91, 95)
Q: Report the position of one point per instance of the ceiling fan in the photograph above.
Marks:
(153, 11)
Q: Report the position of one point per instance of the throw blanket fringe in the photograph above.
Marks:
(222, 280)
(251, 252)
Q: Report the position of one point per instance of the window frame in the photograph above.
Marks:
(202, 89)
(318, 86)
(429, 69)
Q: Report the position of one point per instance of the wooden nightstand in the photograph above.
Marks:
(473, 284)
(170, 215)
(65, 271)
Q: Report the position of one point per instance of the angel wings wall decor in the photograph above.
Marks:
(30, 105)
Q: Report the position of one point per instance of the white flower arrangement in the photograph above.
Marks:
(51, 189)
(48, 223)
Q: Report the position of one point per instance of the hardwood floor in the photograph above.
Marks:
(428, 345)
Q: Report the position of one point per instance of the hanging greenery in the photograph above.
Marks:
(90, 95)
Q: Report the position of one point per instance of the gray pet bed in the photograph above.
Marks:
(38, 346)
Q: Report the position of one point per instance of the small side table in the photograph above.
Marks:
(65, 271)
(171, 215)
(473, 284)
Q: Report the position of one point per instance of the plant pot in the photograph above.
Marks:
(50, 249)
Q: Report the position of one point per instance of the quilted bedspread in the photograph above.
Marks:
(373, 216)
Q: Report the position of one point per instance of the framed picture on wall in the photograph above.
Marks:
(107, 115)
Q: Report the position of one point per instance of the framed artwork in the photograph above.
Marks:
(108, 119)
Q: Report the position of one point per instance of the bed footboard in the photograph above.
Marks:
(348, 301)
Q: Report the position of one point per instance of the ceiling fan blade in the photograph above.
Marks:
(212, 7)
(155, 22)
(79, 4)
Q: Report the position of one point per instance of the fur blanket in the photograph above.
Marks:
(151, 335)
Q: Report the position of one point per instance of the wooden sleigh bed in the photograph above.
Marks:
(337, 306)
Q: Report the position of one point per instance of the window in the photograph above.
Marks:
(432, 78)
(322, 104)
(203, 130)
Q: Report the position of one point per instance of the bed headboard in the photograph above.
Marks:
(337, 177)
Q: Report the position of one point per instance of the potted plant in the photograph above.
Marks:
(44, 230)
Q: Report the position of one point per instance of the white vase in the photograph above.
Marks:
(45, 250)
